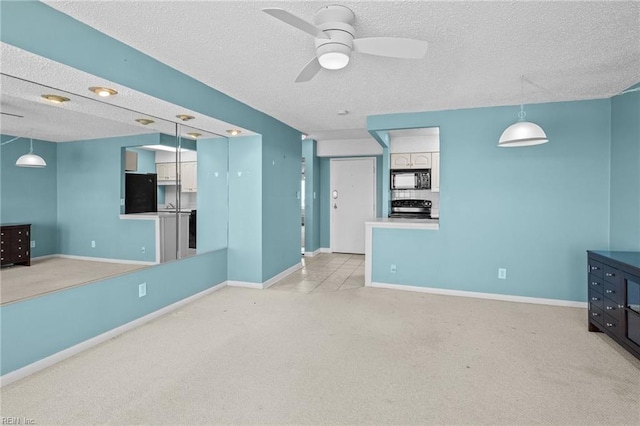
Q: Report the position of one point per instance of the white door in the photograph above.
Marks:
(353, 201)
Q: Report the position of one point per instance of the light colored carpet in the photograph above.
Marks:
(360, 356)
(52, 274)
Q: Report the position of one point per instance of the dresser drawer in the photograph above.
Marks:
(613, 291)
(596, 268)
(611, 324)
(596, 283)
(596, 299)
(612, 275)
(612, 308)
(596, 314)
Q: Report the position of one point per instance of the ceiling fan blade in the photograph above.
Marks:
(393, 47)
(294, 21)
(309, 71)
(12, 115)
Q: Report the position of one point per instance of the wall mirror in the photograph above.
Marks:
(76, 206)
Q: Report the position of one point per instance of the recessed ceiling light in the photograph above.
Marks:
(103, 91)
(55, 98)
(144, 121)
(185, 117)
(194, 135)
(343, 112)
(304, 136)
(234, 132)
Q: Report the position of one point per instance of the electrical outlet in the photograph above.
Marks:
(142, 290)
(502, 273)
(314, 195)
(143, 249)
(298, 195)
(392, 269)
(33, 243)
(93, 244)
(122, 201)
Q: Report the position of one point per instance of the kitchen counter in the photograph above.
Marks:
(392, 222)
(151, 215)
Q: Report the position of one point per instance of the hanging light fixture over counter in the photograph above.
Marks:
(522, 133)
(30, 159)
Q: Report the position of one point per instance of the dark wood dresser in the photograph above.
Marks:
(614, 296)
(15, 243)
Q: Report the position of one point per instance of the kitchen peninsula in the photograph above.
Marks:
(166, 228)
(408, 225)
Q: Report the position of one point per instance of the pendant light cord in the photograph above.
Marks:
(522, 114)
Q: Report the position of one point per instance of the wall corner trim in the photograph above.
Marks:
(94, 341)
(477, 295)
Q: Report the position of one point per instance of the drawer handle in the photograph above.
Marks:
(594, 268)
(620, 306)
(595, 314)
(595, 283)
(610, 324)
(609, 291)
(609, 274)
(595, 299)
(610, 308)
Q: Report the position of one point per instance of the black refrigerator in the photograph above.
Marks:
(141, 193)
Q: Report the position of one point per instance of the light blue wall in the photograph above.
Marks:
(89, 193)
(36, 328)
(29, 195)
(325, 194)
(146, 160)
(212, 202)
(312, 186)
(625, 172)
(245, 209)
(281, 208)
(534, 210)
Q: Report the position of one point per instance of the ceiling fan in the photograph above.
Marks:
(335, 40)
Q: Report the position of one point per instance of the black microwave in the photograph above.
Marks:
(411, 179)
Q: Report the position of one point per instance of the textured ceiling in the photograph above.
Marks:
(477, 53)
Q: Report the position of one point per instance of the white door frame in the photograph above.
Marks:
(330, 199)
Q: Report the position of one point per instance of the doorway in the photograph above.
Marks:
(352, 202)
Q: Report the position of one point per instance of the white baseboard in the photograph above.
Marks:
(271, 281)
(325, 250)
(477, 295)
(82, 346)
(106, 259)
(245, 284)
(45, 257)
(311, 253)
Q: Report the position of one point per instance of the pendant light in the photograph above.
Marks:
(31, 159)
(522, 133)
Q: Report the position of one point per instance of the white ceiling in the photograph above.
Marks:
(477, 53)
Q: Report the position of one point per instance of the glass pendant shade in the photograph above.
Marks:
(31, 160)
(522, 133)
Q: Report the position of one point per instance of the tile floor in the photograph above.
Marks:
(325, 272)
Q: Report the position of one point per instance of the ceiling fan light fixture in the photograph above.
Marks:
(56, 99)
(333, 56)
(103, 91)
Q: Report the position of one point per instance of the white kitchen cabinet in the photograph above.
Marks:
(435, 171)
(414, 160)
(166, 172)
(189, 176)
(131, 161)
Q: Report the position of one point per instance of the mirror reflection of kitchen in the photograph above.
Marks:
(78, 232)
